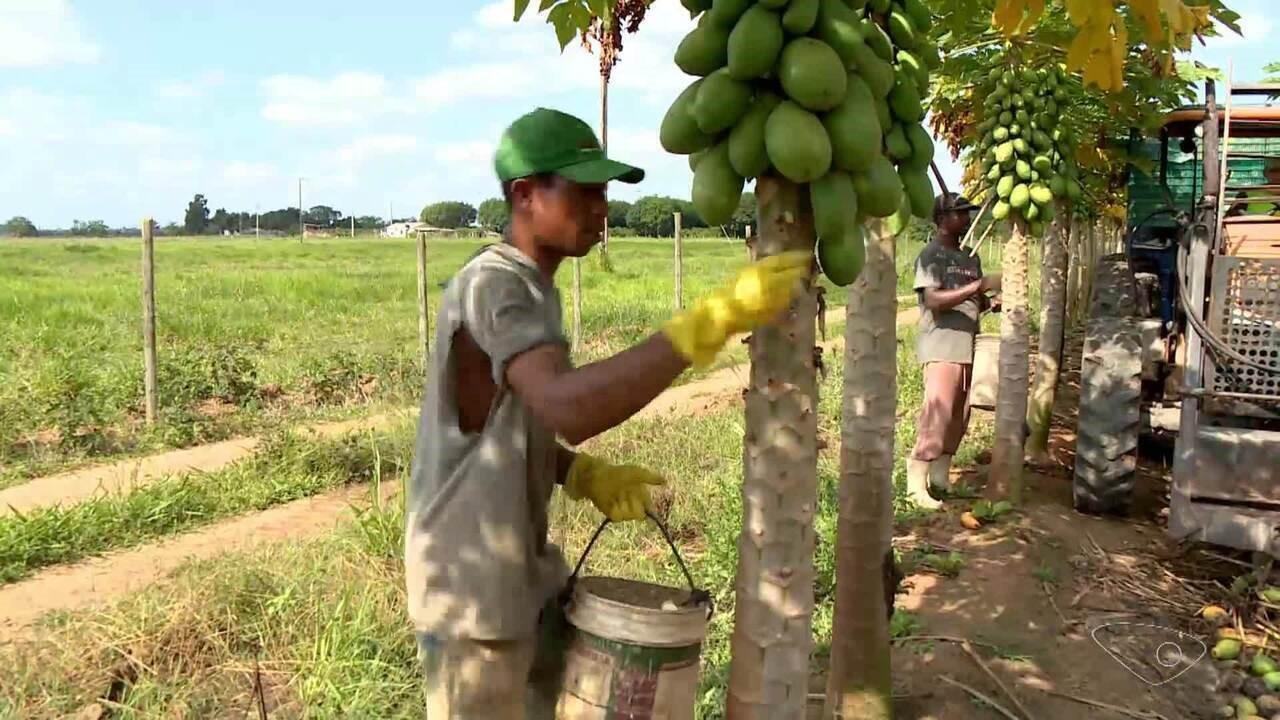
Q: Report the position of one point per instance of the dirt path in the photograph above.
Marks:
(78, 485)
(106, 578)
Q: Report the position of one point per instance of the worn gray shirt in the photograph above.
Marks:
(477, 561)
(946, 335)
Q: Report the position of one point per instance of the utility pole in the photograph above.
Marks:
(302, 228)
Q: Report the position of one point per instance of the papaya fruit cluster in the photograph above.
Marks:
(826, 93)
(1027, 156)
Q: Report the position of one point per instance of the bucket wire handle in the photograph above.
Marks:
(696, 594)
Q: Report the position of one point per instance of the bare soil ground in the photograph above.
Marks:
(1038, 588)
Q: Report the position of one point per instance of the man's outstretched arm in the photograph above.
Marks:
(580, 403)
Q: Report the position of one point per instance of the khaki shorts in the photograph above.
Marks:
(495, 679)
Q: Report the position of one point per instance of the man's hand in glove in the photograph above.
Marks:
(621, 492)
(759, 294)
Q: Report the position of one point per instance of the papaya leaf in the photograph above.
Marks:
(521, 6)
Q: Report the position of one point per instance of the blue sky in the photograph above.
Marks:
(116, 110)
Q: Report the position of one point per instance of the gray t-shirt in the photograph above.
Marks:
(477, 561)
(947, 335)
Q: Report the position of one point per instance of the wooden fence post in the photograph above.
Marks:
(424, 321)
(750, 255)
(577, 304)
(149, 320)
(679, 265)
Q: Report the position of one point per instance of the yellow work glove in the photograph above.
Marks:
(621, 492)
(759, 294)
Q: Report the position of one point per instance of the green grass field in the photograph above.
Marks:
(256, 334)
(324, 620)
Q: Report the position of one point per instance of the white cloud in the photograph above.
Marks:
(467, 157)
(7, 127)
(42, 32)
(1255, 25)
(348, 98)
(371, 146)
(193, 88)
(240, 172)
(138, 134)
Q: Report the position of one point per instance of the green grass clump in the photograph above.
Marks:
(286, 468)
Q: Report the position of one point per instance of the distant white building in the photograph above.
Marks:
(403, 229)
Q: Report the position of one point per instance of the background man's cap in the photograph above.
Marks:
(952, 201)
(549, 141)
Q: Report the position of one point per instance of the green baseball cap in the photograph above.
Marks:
(549, 141)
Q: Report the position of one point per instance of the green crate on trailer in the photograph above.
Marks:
(1185, 175)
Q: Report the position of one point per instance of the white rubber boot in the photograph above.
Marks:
(918, 477)
(940, 475)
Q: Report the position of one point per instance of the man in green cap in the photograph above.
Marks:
(481, 577)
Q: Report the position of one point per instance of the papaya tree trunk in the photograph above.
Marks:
(1053, 300)
(859, 684)
(605, 263)
(771, 642)
(1005, 480)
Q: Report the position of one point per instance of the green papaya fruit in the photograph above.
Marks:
(879, 188)
(1023, 169)
(754, 44)
(812, 74)
(1022, 117)
(1001, 92)
(1031, 212)
(1041, 194)
(879, 74)
(838, 27)
(902, 31)
(1020, 145)
(994, 77)
(842, 257)
(877, 39)
(1047, 212)
(1058, 186)
(717, 189)
(854, 128)
(1004, 151)
(1041, 163)
(1000, 134)
(929, 53)
(1020, 196)
(694, 158)
(904, 99)
(797, 144)
(919, 13)
(834, 203)
(1000, 210)
(747, 152)
(986, 126)
(1018, 101)
(774, 4)
(696, 7)
(1015, 130)
(800, 16)
(721, 102)
(883, 114)
(901, 218)
(922, 149)
(1006, 118)
(1035, 176)
(994, 173)
(919, 72)
(679, 132)
(1074, 191)
(1007, 79)
(896, 145)
(1051, 108)
(1005, 187)
(919, 192)
(704, 50)
(1036, 228)
(880, 7)
(724, 13)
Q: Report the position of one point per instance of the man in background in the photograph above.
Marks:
(951, 290)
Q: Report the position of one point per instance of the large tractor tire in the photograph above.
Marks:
(1107, 427)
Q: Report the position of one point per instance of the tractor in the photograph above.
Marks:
(1182, 337)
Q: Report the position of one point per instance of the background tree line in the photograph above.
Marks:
(650, 216)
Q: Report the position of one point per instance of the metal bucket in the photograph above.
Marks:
(635, 648)
(986, 372)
